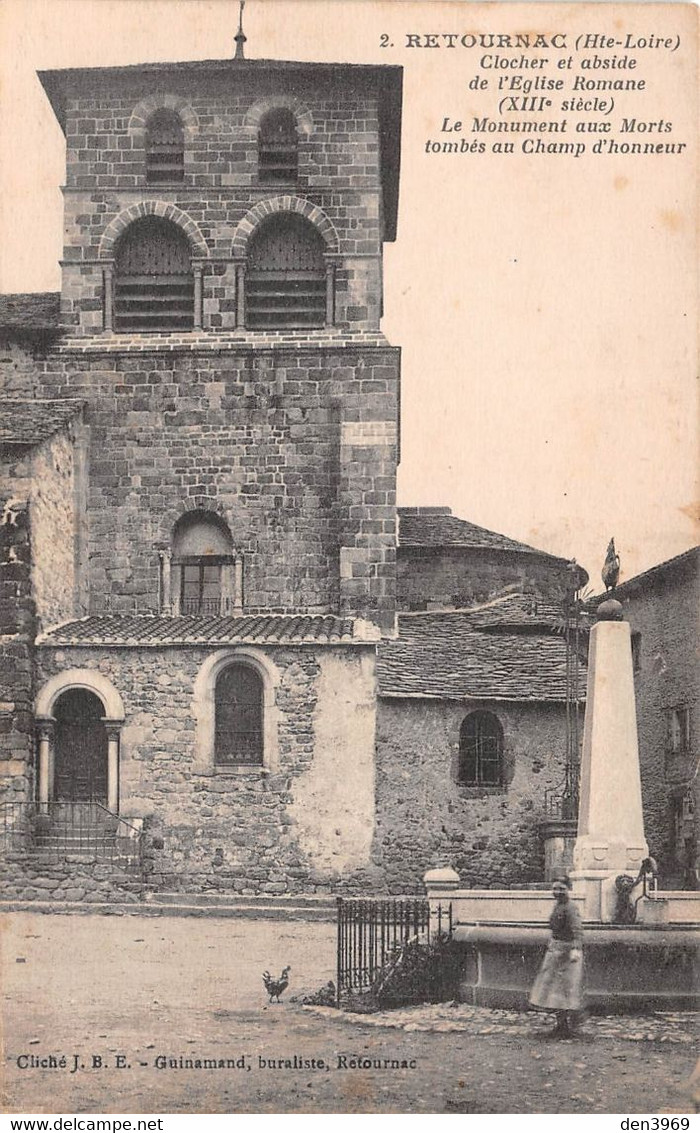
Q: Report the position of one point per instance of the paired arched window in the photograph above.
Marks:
(278, 147)
(286, 275)
(238, 709)
(481, 751)
(165, 149)
(154, 282)
(202, 554)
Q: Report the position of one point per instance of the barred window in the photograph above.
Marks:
(202, 553)
(201, 588)
(238, 735)
(286, 276)
(165, 149)
(278, 147)
(481, 751)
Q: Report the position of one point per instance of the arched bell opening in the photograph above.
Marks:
(154, 284)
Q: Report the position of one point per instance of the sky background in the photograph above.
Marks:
(545, 305)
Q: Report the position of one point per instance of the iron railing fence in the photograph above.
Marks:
(370, 930)
(561, 802)
(60, 830)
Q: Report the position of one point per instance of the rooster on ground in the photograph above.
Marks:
(274, 988)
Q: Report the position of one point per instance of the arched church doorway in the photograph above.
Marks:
(80, 748)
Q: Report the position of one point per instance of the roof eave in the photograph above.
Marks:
(648, 578)
(460, 698)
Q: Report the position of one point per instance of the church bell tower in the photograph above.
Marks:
(220, 304)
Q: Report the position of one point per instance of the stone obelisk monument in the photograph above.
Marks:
(610, 838)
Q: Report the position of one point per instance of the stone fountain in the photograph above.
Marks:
(652, 963)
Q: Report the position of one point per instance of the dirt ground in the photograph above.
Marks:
(112, 994)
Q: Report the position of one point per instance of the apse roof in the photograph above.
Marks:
(447, 656)
(437, 527)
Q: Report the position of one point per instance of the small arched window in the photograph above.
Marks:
(286, 275)
(154, 283)
(165, 149)
(238, 728)
(202, 554)
(481, 751)
(278, 147)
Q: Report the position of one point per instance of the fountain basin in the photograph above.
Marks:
(626, 968)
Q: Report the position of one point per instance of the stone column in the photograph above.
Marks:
(165, 582)
(45, 733)
(330, 293)
(238, 584)
(240, 295)
(441, 887)
(175, 587)
(113, 731)
(227, 585)
(108, 272)
(198, 312)
(610, 838)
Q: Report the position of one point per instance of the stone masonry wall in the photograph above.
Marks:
(464, 576)
(37, 584)
(16, 637)
(254, 435)
(36, 877)
(19, 372)
(244, 831)
(665, 614)
(43, 477)
(54, 526)
(425, 819)
(339, 172)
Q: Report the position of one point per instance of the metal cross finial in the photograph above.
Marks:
(240, 37)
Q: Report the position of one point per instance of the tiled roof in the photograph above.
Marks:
(30, 311)
(24, 422)
(436, 527)
(445, 655)
(153, 630)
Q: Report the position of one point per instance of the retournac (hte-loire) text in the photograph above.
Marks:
(552, 94)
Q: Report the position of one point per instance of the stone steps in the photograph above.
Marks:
(282, 901)
(61, 856)
(72, 845)
(190, 905)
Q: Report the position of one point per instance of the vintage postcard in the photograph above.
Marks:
(347, 363)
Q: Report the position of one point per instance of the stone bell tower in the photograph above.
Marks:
(220, 306)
